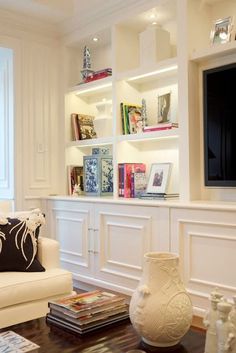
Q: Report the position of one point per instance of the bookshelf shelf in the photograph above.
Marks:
(148, 136)
(214, 52)
(91, 142)
(162, 69)
(86, 90)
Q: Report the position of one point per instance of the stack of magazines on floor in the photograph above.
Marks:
(85, 312)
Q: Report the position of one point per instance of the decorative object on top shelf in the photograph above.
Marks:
(160, 308)
(221, 32)
(103, 120)
(158, 178)
(86, 71)
(164, 108)
(98, 174)
(144, 112)
(154, 45)
(86, 127)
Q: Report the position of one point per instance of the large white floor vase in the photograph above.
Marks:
(160, 308)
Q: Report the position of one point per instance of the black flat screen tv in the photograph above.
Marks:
(219, 114)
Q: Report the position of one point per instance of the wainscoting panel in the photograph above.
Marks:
(206, 243)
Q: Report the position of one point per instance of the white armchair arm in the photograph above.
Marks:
(48, 253)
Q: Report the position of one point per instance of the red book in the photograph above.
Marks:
(130, 170)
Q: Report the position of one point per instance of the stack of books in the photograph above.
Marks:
(158, 196)
(86, 312)
(11, 342)
(160, 126)
(97, 75)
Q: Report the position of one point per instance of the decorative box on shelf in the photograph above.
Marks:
(154, 44)
(98, 172)
(100, 150)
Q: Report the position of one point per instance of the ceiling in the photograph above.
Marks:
(53, 11)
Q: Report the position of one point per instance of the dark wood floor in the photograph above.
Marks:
(115, 339)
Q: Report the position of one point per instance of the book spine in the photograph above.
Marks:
(127, 179)
(122, 118)
(121, 179)
(75, 127)
(132, 182)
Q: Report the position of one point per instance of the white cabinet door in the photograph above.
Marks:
(72, 225)
(123, 234)
(206, 243)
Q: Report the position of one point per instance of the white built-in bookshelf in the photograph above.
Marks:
(189, 23)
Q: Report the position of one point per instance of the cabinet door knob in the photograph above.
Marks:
(90, 251)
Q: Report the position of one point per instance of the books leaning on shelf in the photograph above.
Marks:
(75, 127)
(11, 342)
(75, 178)
(86, 127)
(132, 179)
(131, 116)
(82, 313)
(161, 126)
(158, 196)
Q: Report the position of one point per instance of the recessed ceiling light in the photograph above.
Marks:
(152, 16)
(95, 39)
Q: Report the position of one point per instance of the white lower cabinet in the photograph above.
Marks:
(206, 243)
(103, 244)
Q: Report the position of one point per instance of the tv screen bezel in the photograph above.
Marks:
(212, 183)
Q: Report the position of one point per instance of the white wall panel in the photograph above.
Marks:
(41, 114)
(6, 124)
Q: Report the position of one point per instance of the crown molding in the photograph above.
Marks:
(82, 24)
(27, 24)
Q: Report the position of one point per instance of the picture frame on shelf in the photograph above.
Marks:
(163, 108)
(158, 178)
(221, 31)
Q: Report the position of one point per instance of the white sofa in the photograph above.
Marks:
(24, 295)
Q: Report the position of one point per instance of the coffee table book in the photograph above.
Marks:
(74, 328)
(11, 342)
(82, 304)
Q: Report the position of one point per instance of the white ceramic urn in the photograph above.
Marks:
(103, 119)
(160, 308)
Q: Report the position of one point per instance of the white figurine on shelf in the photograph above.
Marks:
(76, 190)
(209, 322)
(225, 330)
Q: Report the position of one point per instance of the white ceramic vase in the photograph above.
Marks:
(103, 119)
(160, 308)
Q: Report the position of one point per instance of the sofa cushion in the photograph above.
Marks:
(19, 240)
(16, 288)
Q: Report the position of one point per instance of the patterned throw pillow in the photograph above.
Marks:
(19, 241)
